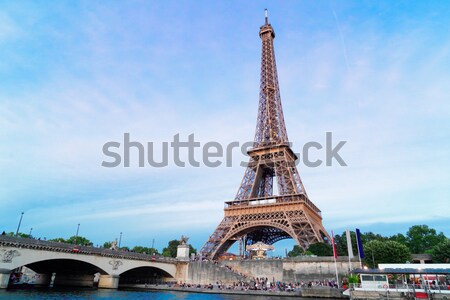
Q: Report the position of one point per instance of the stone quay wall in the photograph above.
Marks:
(207, 272)
(286, 270)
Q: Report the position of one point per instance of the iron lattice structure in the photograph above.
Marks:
(256, 214)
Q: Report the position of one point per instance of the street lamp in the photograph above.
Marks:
(120, 238)
(31, 230)
(373, 259)
(76, 236)
(20, 222)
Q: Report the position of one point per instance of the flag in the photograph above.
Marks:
(334, 245)
(349, 244)
(359, 241)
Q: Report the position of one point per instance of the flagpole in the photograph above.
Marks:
(337, 276)
(335, 256)
(359, 254)
(349, 249)
(360, 247)
(349, 264)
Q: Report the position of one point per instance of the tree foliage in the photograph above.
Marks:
(171, 249)
(79, 240)
(296, 251)
(400, 238)
(321, 249)
(370, 236)
(441, 252)
(341, 243)
(353, 278)
(385, 252)
(421, 238)
(58, 240)
(146, 250)
(20, 234)
(76, 240)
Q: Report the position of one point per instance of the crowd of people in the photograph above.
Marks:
(259, 284)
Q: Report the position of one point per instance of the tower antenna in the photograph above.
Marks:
(267, 16)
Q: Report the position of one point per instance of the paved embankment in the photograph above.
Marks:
(310, 293)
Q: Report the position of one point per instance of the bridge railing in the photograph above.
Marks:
(71, 248)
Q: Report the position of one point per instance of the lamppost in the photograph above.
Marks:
(31, 230)
(20, 222)
(76, 235)
(120, 238)
(373, 259)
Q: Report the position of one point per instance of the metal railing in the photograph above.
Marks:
(273, 200)
(403, 287)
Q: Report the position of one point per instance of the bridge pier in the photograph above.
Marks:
(4, 280)
(108, 282)
(74, 280)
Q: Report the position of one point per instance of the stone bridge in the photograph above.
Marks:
(66, 264)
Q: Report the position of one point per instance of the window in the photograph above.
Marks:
(366, 278)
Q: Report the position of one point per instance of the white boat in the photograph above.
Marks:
(402, 281)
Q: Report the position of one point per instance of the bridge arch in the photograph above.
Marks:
(269, 232)
(161, 268)
(65, 266)
(68, 271)
(145, 275)
(51, 262)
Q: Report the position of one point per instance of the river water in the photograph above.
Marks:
(117, 294)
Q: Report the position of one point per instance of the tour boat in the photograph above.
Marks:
(411, 281)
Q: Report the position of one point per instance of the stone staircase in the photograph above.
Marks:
(206, 272)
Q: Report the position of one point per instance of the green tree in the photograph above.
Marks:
(58, 240)
(341, 243)
(107, 245)
(370, 236)
(321, 249)
(171, 249)
(400, 238)
(385, 252)
(146, 250)
(441, 252)
(79, 240)
(353, 278)
(421, 238)
(296, 251)
(20, 234)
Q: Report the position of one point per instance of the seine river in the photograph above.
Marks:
(114, 294)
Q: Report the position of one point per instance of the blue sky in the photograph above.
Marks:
(76, 75)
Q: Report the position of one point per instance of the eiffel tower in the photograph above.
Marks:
(256, 214)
